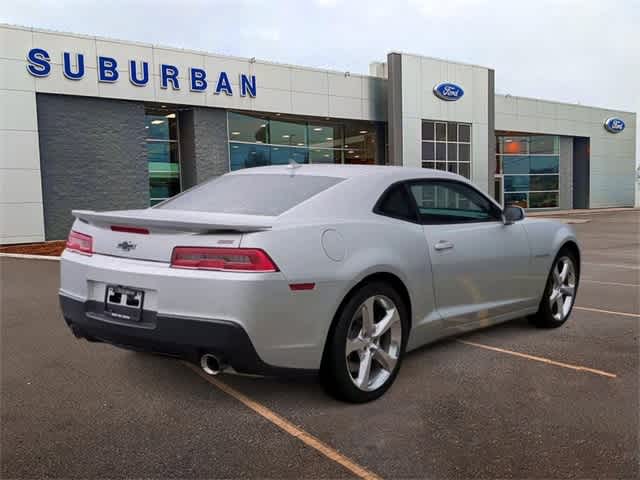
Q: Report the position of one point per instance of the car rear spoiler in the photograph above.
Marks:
(177, 220)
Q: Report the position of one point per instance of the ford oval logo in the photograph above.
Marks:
(614, 124)
(448, 91)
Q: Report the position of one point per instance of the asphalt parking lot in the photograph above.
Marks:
(507, 402)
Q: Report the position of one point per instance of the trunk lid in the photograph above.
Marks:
(166, 229)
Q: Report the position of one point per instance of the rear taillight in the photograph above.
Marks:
(80, 243)
(227, 259)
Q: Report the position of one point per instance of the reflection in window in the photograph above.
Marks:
(543, 199)
(516, 183)
(283, 155)
(544, 144)
(161, 126)
(245, 128)
(544, 164)
(516, 164)
(288, 133)
(161, 129)
(246, 155)
(284, 140)
(530, 166)
(325, 136)
(450, 202)
(325, 155)
(517, 199)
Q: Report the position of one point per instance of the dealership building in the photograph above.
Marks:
(95, 123)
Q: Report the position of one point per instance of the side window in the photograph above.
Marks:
(451, 202)
(396, 203)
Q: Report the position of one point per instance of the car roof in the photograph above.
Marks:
(389, 172)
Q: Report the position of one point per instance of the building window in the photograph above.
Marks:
(447, 146)
(530, 167)
(163, 154)
(258, 140)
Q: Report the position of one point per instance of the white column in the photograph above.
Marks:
(21, 214)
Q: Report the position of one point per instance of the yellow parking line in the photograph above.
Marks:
(613, 265)
(611, 312)
(289, 427)
(616, 284)
(540, 359)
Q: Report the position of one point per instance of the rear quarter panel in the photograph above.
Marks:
(375, 245)
(546, 238)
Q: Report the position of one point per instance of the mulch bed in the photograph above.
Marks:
(54, 248)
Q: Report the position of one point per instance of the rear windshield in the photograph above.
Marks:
(257, 194)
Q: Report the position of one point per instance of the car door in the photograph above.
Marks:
(480, 265)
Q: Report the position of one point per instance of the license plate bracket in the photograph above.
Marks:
(124, 303)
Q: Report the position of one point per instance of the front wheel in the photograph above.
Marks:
(560, 292)
(366, 344)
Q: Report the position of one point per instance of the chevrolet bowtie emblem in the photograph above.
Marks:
(127, 246)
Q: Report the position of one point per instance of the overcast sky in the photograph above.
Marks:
(582, 51)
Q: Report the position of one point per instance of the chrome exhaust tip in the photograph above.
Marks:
(211, 364)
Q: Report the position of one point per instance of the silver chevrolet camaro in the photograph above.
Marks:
(337, 269)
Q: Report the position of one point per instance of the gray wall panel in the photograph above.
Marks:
(566, 173)
(92, 156)
(188, 171)
(394, 108)
(211, 145)
(581, 172)
(204, 146)
(491, 109)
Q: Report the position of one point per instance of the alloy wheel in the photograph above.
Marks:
(374, 341)
(563, 288)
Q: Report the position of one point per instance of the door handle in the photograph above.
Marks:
(443, 245)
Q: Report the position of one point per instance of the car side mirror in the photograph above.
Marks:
(512, 214)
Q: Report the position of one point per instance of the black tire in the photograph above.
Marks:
(544, 317)
(334, 372)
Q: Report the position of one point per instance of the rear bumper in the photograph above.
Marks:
(186, 338)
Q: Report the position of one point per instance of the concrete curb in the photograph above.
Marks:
(586, 211)
(28, 257)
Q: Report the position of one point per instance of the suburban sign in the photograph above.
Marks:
(109, 71)
(448, 91)
(614, 124)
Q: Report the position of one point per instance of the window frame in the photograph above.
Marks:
(495, 215)
(377, 208)
(551, 156)
(159, 112)
(454, 146)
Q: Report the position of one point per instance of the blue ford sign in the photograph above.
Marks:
(448, 91)
(109, 70)
(614, 124)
